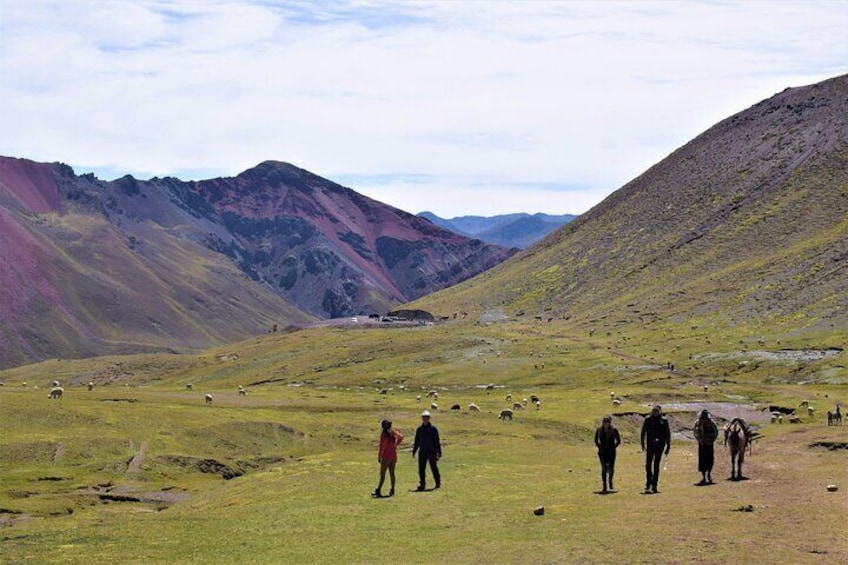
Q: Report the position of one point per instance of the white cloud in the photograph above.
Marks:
(484, 101)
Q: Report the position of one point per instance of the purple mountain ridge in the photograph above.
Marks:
(93, 267)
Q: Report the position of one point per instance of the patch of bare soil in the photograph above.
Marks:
(9, 517)
(492, 316)
(108, 492)
(134, 466)
(59, 453)
(780, 356)
(226, 471)
(204, 465)
(794, 354)
(633, 418)
(723, 410)
(158, 498)
(831, 445)
(681, 416)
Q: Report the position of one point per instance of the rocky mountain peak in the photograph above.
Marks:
(197, 263)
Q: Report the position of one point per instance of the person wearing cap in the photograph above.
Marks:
(655, 438)
(390, 438)
(706, 432)
(429, 449)
(607, 439)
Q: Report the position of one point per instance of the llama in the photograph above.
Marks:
(738, 436)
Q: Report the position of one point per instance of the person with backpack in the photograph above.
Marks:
(655, 438)
(706, 432)
(607, 439)
(390, 438)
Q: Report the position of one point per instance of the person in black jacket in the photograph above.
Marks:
(429, 449)
(656, 438)
(607, 439)
(706, 432)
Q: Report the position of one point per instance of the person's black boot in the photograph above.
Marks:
(376, 494)
(391, 492)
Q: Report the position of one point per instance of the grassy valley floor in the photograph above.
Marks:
(141, 470)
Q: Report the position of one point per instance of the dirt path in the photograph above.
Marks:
(630, 357)
(134, 466)
(59, 453)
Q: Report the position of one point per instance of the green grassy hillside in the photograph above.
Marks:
(141, 470)
(93, 290)
(745, 227)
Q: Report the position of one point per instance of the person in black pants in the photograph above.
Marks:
(656, 438)
(429, 450)
(607, 439)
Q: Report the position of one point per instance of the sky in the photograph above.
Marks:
(458, 107)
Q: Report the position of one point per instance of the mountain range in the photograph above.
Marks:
(518, 230)
(92, 267)
(744, 226)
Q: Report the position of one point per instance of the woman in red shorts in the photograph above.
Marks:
(390, 438)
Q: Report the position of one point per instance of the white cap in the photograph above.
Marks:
(425, 413)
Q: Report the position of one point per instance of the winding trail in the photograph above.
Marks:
(630, 357)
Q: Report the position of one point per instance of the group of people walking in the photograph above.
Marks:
(655, 439)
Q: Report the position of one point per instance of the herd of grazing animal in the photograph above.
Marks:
(834, 418)
(57, 392)
(505, 414)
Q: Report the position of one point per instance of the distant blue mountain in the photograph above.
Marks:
(508, 230)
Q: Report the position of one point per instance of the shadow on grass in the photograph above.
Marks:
(605, 492)
(431, 489)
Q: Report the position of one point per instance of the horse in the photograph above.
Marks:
(738, 435)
